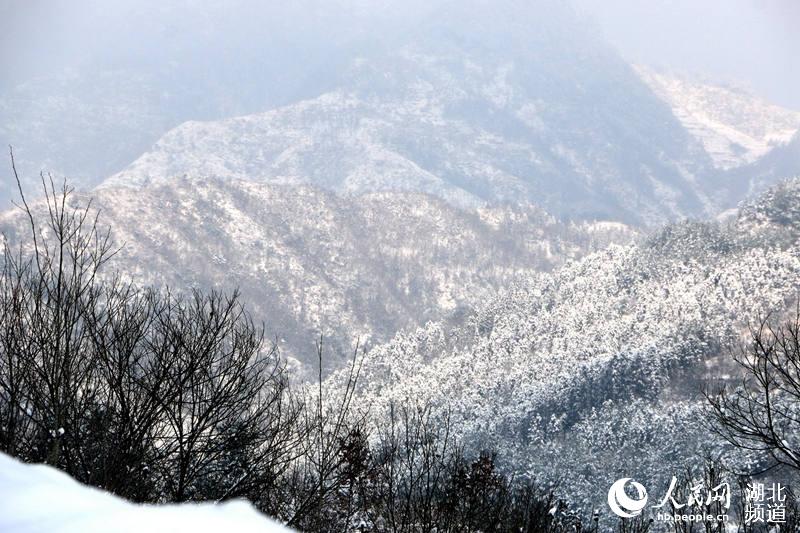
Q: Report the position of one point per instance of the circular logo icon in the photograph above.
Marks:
(622, 504)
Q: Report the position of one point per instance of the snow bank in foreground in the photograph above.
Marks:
(37, 498)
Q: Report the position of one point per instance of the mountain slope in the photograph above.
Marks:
(592, 372)
(309, 262)
(735, 128)
(780, 163)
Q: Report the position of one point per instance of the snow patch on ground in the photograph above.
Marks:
(38, 499)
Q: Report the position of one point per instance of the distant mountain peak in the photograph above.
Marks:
(735, 127)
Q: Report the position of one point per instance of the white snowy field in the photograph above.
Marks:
(38, 498)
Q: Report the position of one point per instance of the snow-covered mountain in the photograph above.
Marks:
(481, 103)
(735, 127)
(594, 371)
(309, 262)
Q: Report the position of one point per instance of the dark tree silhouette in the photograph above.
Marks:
(762, 412)
(152, 395)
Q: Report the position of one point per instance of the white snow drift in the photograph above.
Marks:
(38, 498)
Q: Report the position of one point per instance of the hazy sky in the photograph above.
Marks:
(752, 43)
(755, 43)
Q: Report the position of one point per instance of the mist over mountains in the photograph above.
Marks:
(482, 105)
(471, 102)
(91, 87)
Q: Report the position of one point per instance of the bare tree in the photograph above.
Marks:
(151, 394)
(332, 429)
(762, 413)
(47, 366)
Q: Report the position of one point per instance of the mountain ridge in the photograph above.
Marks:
(310, 262)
